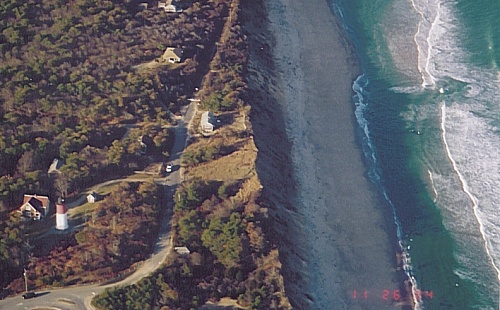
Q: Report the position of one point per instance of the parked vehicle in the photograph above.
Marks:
(168, 169)
(29, 295)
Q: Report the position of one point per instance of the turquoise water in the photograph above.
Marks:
(429, 106)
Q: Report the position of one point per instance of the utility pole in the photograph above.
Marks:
(25, 280)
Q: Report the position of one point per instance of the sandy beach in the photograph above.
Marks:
(339, 227)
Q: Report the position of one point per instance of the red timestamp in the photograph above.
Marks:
(394, 295)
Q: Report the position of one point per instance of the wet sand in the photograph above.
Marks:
(342, 229)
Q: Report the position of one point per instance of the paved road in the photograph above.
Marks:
(79, 297)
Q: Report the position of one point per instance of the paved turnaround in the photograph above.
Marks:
(79, 297)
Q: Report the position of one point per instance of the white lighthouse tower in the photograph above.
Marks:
(61, 216)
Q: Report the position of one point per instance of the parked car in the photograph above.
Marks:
(29, 295)
(168, 169)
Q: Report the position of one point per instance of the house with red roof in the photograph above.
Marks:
(35, 206)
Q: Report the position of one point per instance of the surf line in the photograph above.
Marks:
(424, 54)
(435, 198)
(369, 151)
(465, 188)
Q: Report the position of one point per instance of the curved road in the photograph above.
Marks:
(79, 297)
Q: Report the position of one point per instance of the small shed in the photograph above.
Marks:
(172, 9)
(92, 197)
(182, 250)
(207, 121)
(55, 166)
(172, 55)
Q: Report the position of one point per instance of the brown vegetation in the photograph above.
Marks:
(69, 91)
(74, 90)
(218, 213)
(119, 231)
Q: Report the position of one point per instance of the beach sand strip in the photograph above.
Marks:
(342, 231)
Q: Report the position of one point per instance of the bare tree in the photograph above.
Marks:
(62, 184)
(25, 163)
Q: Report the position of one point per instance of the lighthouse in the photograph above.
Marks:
(61, 216)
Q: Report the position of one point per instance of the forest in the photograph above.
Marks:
(224, 223)
(68, 80)
(70, 89)
(74, 87)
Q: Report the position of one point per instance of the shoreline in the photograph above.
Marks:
(346, 243)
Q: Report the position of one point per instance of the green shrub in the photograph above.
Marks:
(224, 238)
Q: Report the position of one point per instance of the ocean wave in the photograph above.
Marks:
(468, 129)
(359, 100)
(359, 87)
(436, 194)
(429, 12)
(481, 188)
(407, 89)
(465, 173)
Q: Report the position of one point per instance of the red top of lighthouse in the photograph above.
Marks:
(61, 209)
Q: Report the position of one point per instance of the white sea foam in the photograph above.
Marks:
(467, 123)
(483, 178)
(359, 101)
(406, 89)
(436, 194)
(466, 190)
(370, 153)
(429, 18)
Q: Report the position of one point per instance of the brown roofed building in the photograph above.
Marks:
(35, 206)
(172, 55)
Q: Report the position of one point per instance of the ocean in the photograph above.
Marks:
(428, 109)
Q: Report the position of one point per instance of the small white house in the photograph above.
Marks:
(92, 197)
(167, 6)
(207, 122)
(172, 9)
